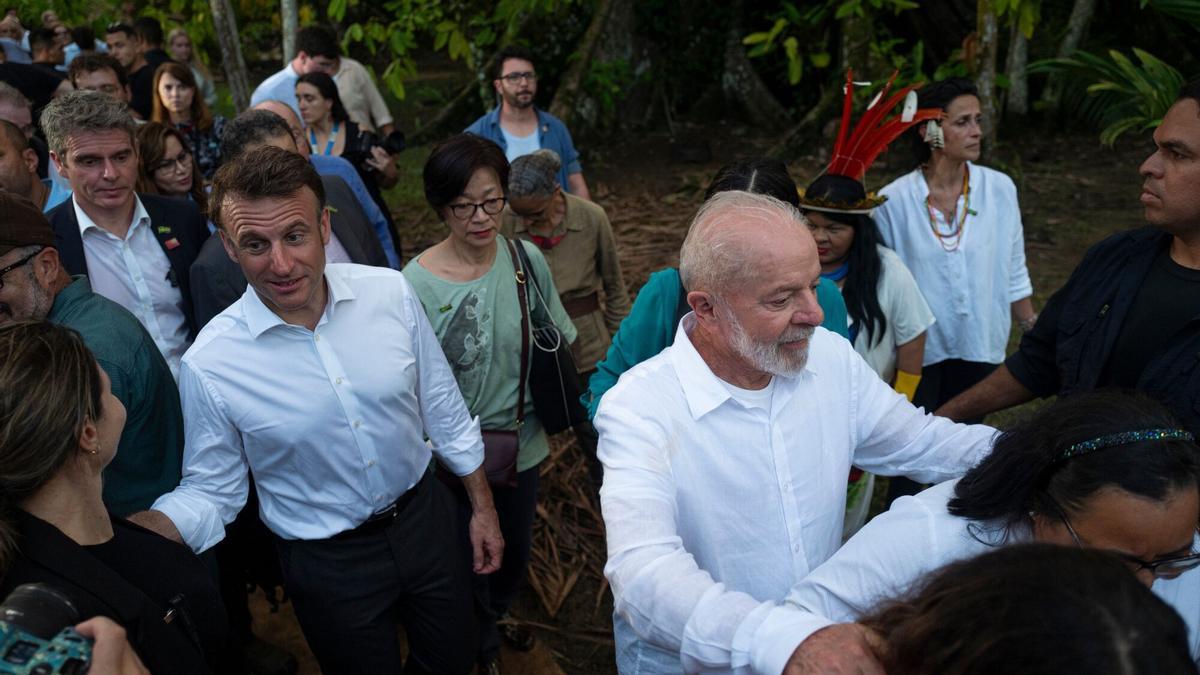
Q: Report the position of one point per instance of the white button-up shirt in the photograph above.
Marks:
(899, 548)
(714, 509)
(331, 422)
(970, 289)
(135, 273)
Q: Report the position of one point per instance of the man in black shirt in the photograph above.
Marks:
(126, 48)
(47, 52)
(1129, 316)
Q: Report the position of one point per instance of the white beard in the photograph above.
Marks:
(770, 357)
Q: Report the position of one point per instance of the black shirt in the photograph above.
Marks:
(36, 84)
(141, 82)
(1168, 299)
(49, 69)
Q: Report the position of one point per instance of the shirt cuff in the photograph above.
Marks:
(197, 523)
(778, 636)
(464, 454)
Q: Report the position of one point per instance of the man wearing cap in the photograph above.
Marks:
(34, 287)
(136, 249)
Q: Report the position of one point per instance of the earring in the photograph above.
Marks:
(933, 134)
(93, 452)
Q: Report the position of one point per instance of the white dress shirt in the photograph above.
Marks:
(970, 289)
(901, 547)
(135, 273)
(715, 509)
(331, 422)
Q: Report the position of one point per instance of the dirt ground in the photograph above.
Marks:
(1073, 193)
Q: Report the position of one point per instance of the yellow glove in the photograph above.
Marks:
(906, 383)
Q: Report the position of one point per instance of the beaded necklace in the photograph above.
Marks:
(950, 241)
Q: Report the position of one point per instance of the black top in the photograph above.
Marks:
(156, 589)
(1075, 342)
(141, 82)
(1168, 298)
(50, 70)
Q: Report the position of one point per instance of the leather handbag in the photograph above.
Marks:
(553, 377)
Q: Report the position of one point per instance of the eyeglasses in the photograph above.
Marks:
(1167, 568)
(513, 78)
(180, 163)
(489, 206)
(17, 264)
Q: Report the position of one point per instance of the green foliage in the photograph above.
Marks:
(466, 30)
(1187, 10)
(1024, 13)
(605, 83)
(811, 25)
(1122, 96)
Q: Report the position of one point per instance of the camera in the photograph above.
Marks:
(359, 151)
(36, 634)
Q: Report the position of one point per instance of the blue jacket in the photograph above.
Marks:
(552, 135)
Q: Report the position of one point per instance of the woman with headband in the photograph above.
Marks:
(1104, 470)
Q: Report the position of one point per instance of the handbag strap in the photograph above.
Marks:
(522, 297)
(532, 276)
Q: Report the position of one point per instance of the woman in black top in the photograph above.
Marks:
(329, 131)
(59, 427)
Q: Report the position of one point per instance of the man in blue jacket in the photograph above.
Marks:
(517, 126)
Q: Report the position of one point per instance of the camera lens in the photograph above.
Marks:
(39, 609)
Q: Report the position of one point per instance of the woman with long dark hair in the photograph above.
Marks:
(168, 166)
(1106, 470)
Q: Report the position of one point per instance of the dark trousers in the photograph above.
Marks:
(494, 593)
(348, 592)
(940, 382)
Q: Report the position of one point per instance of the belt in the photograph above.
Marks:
(577, 307)
(381, 519)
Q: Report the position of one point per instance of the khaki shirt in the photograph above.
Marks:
(584, 262)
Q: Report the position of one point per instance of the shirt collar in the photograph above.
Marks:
(140, 215)
(260, 319)
(703, 389)
(75, 291)
(568, 223)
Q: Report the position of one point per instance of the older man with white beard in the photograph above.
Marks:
(725, 456)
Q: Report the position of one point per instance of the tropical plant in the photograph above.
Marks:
(1122, 96)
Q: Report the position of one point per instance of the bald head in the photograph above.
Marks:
(733, 231)
(293, 121)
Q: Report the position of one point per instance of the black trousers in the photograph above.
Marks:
(940, 382)
(516, 508)
(349, 592)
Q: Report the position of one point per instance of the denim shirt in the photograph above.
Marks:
(1068, 348)
(552, 135)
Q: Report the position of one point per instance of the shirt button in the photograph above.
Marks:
(357, 423)
(338, 381)
(796, 548)
(317, 338)
(371, 462)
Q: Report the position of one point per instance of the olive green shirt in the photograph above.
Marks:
(478, 324)
(150, 455)
(584, 262)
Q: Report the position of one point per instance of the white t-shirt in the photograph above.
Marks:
(908, 315)
(519, 146)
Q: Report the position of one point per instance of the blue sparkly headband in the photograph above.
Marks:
(1123, 438)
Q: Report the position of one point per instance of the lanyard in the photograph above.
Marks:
(312, 139)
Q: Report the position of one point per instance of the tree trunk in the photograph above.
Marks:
(742, 85)
(1017, 101)
(290, 14)
(1077, 24)
(225, 27)
(985, 71)
(563, 106)
(452, 117)
(797, 138)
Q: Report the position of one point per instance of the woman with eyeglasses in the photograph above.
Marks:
(1101, 470)
(467, 285)
(177, 103)
(167, 165)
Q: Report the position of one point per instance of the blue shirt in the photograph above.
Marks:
(279, 87)
(552, 134)
(58, 194)
(328, 165)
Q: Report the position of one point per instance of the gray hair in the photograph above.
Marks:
(713, 255)
(83, 111)
(13, 96)
(534, 175)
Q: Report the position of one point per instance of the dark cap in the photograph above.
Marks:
(22, 224)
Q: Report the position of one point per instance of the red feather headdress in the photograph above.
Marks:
(856, 150)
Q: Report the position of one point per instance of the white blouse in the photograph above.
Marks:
(908, 315)
(971, 288)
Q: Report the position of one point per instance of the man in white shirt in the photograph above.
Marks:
(323, 381)
(135, 249)
(725, 456)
